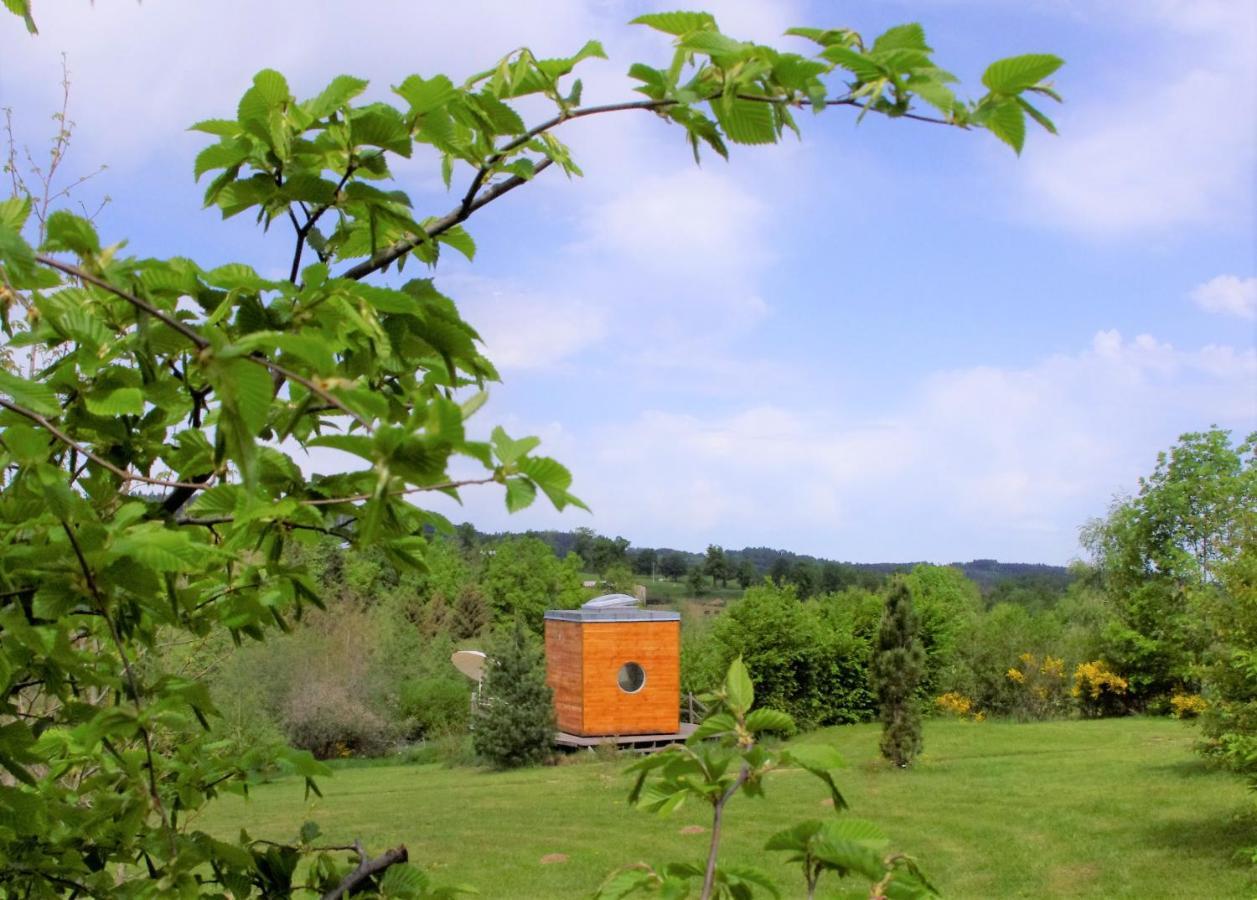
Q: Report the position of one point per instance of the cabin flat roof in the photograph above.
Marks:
(613, 615)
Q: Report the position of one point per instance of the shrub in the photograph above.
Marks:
(435, 706)
(323, 716)
(513, 724)
(957, 705)
(1038, 686)
(805, 657)
(1187, 706)
(1099, 690)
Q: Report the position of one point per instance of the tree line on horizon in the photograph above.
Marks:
(809, 574)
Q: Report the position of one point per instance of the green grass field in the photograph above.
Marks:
(1113, 808)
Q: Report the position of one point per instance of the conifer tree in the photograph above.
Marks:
(471, 614)
(514, 721)
(897, 671)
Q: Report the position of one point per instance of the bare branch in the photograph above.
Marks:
(366, 869)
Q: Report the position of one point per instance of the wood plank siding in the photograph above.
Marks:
(563, 673)
(606, 646)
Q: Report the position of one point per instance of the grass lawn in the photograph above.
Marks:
(1113, 808)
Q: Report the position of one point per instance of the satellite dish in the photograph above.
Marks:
(611, 601)
(470, 663)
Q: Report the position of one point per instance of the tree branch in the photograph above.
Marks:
(366, 869)
(45, 423)
(134, 686)
(440, 226)
(357, 498)
(170, 321)
(709, 877)
(472, 200)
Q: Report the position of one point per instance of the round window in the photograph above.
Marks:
(631, 678)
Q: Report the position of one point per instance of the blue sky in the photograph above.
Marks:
(884, 342)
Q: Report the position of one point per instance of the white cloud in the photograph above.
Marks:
(522, 329)
(977, 461)
(1167, 143)
(1228, 295)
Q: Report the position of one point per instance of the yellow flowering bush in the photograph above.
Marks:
(1040, 686)
(957, 704)
(1187, 706)
(1098, 689)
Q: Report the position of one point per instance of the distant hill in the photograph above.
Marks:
(987, 573)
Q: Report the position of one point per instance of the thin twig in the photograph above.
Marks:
(357, 498)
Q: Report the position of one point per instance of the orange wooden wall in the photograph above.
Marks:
(563, 673)
(583, 661)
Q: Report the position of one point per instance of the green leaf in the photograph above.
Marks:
(220, 127)
(677, 23)
(1046, 123)
(815, 756)
(795, 838)
(220, 156)
(715, 724)
(66, 231)
(508, 450)
(22, 8)
(246, 388)
(623, 882)
(746, 121)
(903, 37)
(120, 402)
(520, 493)
(35, 396)
(342, 89)
(1016, 73)
(403, 880)
(827, 37)
(712, 43)
(552, 477)
(14, 212)
(769, 720)
(739, 691)
(220, 500)
(502, 118)
(272, 87)
(863, 68)
(857, 831)
(426, 95)
(458, 238)
(27, 444)
(380, 126)
(16, 255)
(1007, 121)
(162, 549)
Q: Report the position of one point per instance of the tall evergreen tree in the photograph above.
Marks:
(514, 722)
(898, 670)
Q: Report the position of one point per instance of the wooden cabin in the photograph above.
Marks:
(614, 671)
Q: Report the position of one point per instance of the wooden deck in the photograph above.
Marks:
(646, 743)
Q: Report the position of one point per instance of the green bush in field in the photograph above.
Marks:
(513, 724)
(805, 663)
(436, 706)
